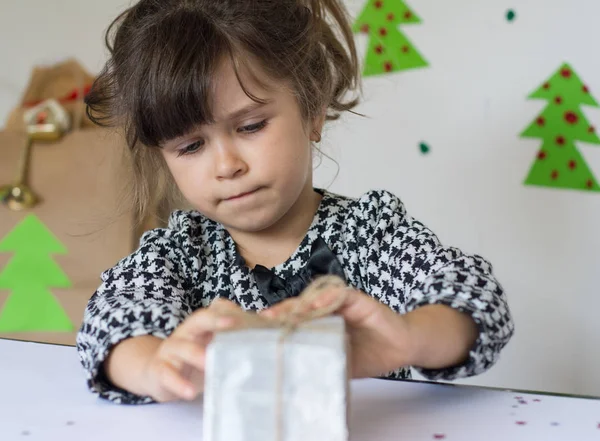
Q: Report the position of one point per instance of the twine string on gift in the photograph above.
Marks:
(289, 323)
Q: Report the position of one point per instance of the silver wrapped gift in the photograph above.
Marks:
(266, 384)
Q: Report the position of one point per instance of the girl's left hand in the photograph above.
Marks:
(379, 337)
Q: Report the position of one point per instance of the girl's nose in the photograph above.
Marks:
(229, 163)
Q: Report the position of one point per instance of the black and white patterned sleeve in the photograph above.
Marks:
(144, 294)
(414, 269)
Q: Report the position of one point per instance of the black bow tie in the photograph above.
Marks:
(321, 262)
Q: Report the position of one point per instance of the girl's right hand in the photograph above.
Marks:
(176, 369)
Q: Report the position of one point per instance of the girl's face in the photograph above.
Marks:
(253, 165)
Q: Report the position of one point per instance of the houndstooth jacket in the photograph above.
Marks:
(383, 251)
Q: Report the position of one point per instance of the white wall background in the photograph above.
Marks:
(470, 105)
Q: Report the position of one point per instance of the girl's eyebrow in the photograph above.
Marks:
(237, 114)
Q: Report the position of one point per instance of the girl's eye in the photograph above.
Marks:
(253, 128)
(191, 149)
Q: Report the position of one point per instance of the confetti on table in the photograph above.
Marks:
(554, 423)
(424, 148)
(521, 423)
(439, 436)
(511, 15)
(536, 400)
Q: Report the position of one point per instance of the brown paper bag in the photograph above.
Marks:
(78, 181)
(67, 82)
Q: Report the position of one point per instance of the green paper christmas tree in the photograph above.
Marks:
(28, 275)
(559, 163)
(389, 50)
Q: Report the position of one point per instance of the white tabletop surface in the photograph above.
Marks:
(43, 397)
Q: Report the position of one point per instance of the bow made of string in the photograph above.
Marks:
(288, 323)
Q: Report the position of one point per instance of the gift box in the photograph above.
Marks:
(268, 382)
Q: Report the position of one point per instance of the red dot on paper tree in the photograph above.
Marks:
(590, 184)
(586, 89)
(560, 140)
(407, 15)
(541, 121)
(546, 86)
(405, 49)
(565, 73)
(591, 129)
(558, 100)
(554, 174)
(379, 49)
(390, 17)
(571, 117)
(378, 4)
(383, 32)
(365, 29)
(572, 164)
(541, 156)
(388, 66)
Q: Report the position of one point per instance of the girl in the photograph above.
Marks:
(221, 102)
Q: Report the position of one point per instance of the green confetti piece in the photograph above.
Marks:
(389, 50)
(511, 15)
(559, 164)
(424, 148)
(28, 275)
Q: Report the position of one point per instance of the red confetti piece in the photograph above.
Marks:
(439, 436)
(571, 117)
(521, 423)
(537, 400)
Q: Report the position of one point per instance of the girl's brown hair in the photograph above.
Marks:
(157, 82)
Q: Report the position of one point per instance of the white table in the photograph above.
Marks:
(43, 397)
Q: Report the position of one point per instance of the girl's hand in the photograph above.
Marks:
(379, 337)
(176, 369)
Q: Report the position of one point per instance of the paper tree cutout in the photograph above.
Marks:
(559, 163)
(28, 275)
(389, 50)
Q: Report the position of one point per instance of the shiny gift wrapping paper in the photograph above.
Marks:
(260, 387)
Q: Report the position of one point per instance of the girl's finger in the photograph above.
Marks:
(279, 309)
(180, 352)
(172, 384)
(203, 322)
(221, 304)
